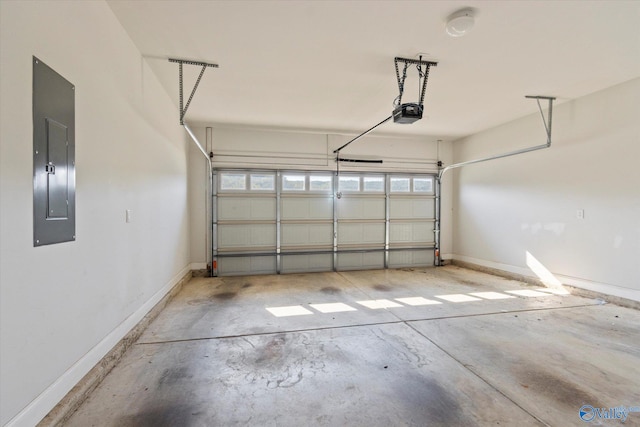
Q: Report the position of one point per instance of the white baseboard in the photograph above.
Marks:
(603, 288)
(35, 411)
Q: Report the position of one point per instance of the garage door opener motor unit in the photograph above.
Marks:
(402, 113)
(411, 112)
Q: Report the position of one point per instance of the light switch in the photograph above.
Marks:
(128, 216)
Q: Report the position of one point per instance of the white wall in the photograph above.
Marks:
(269, 149)
(508, 207)
(64, 306)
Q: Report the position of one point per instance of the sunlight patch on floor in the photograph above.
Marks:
(417, 301)
(338, 307)
(335, 307)
(458, 298)
(375, 304)
(291, 310)
(491, 295)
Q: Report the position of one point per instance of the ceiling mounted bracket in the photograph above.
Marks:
(204, 65)
(547, 128)
(423, 75)
(547, 125)
(402, 113)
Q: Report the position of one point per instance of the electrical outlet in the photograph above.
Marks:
(580, 214)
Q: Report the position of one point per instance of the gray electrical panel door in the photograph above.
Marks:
(53, 157)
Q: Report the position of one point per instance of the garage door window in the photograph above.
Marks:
(423, 185)
(349, 183)
(233, 181)
(320, 183)
(400, 185)
(263, 182)
(373, 183)
(293, 182)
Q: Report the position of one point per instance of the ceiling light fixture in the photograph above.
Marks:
(460, 23)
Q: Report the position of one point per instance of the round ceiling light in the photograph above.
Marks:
(460, 23)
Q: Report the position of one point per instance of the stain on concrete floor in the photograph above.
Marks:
(228, 361)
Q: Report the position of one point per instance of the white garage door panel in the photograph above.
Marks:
(359, 233)
(411, 232)
(376, 220)
(246, 208)
(307, 208)
(307, 263)
(307, 234)
(234, 266)
(361, 208)
(406, 208)
(398, 259)
(360, 261)
(246, 235)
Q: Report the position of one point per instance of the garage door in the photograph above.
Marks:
(361, 222)
(245, 237)
(301, 221)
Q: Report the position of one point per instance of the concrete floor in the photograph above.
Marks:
(436, 347)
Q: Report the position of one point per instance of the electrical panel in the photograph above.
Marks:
(53, 157)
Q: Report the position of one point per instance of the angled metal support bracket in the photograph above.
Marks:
(210, 185)
(547, 124)
(547, 127)
(204, 65)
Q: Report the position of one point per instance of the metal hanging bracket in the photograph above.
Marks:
(402, 113)
(399, 114)
(423, 75)
(547, 128)
(209, 157)
(547, 125)
(204, 66)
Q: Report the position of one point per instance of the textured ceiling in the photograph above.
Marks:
(328, 65)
